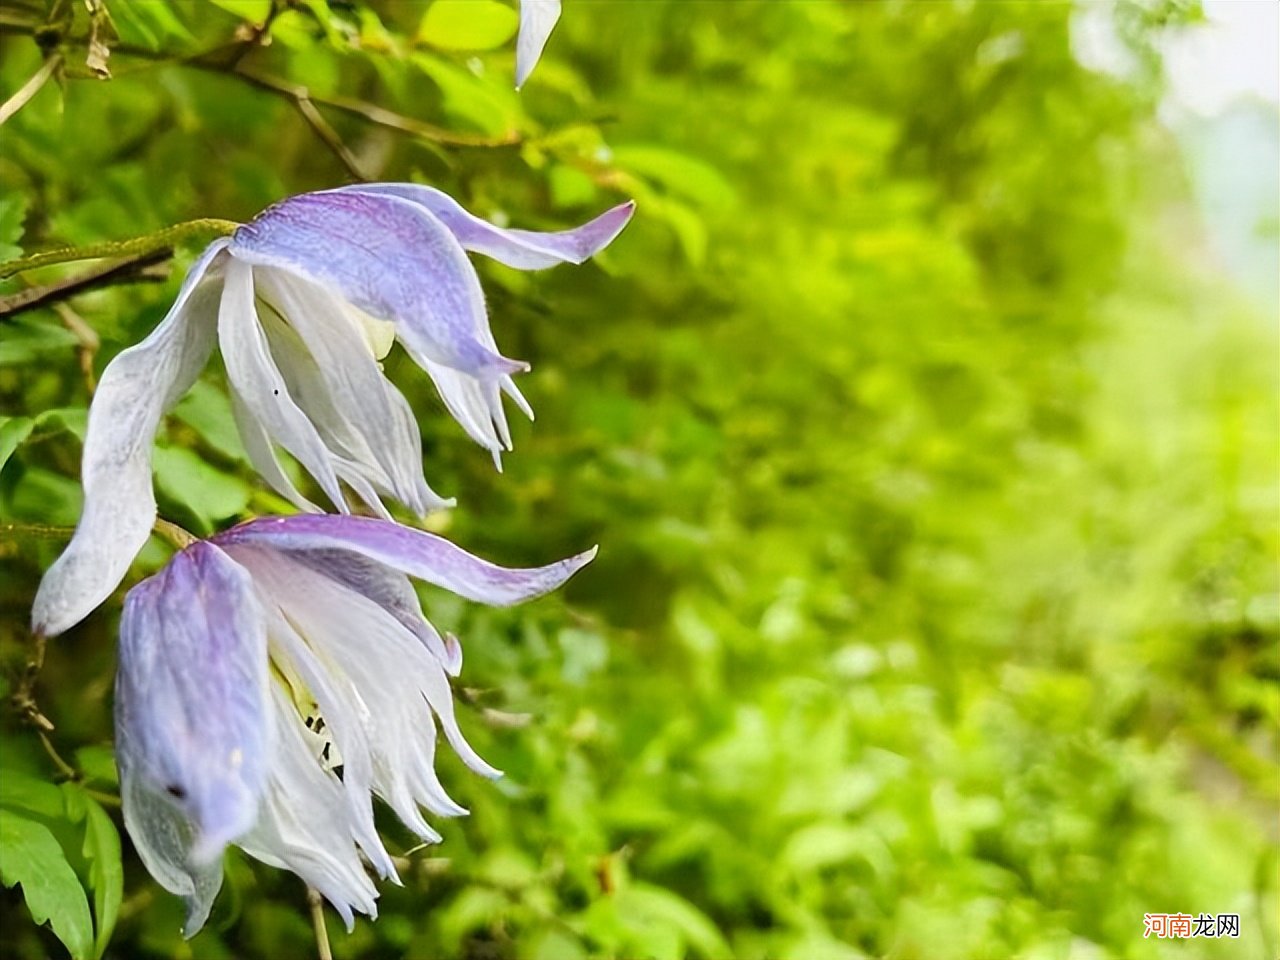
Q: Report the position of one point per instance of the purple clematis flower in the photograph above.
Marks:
(537, 20)
(304, 300)
(258, 661)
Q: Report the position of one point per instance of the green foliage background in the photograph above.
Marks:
(933, 467)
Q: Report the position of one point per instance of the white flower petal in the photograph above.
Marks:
(394, 674)
(261, 453)
(136, 389)
(304, 824)
(373, 410)
(537, 20)
(255, 377)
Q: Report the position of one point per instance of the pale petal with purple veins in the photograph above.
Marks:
(394, 674)
(388, 588)
(193, 735)
(261, 453)
(521, 249)
(537, 20)
(257, 380)
(135, 391)
(303, 823)
(378, 425)
(415, 552)
(389, 257)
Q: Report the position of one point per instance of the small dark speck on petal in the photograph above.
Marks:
(276, 392)
(176, 791)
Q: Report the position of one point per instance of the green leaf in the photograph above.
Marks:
(679, 174)
(25, 340)
(98, 764)
(468, 24)
(22, 791)
(13, 431)
(30, 856)
(659, 905)
(208, 492)
(102, 850)
(72, 419)
(148, 21)
(255, 11)
(492, 109)
(13, 213)
(207, 411)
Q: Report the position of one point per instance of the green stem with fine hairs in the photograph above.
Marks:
(138, 246)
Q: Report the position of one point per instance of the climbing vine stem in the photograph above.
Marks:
(135, 247)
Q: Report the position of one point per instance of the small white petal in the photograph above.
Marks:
(262, 455)
(377, 423)
(537, 20)
(304, 824)
(255, 377)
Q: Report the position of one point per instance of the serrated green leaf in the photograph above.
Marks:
(102, 850)
(13, 431)
(31, 857)
(13, 214)
(468, 24)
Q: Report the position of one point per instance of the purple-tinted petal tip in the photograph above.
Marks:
(415, 552)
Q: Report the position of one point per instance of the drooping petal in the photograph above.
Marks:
(468, 402)
(388, 588)
(343, 716)
(304, 823)
(391, 672)
(193, 735)
(537, 20)
(378, 424)
(257, 380)
(415, 552)
(389, 257)
(257, 445)
(136, 389)
(522, 249)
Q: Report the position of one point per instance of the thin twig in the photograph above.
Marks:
(316, 904)
(226, 59)
(64, 768)
(329, 135)
(35, 531)
(137, 269)
(30, 88)
(360, 108)
(87, 343)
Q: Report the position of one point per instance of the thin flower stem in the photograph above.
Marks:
(135, 247)
(177, 537)
(30, 88)
(36, 531)
(64, 768)
(316, 905)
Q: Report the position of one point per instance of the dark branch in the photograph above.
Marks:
(145, 268)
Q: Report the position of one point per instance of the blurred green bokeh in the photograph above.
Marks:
(932, 457)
